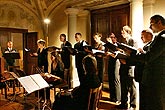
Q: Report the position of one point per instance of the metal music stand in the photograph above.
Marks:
(33, 83)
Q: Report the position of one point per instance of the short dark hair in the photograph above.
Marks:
(78, 34)
(63, 35)
(147, 31)
(158, 18)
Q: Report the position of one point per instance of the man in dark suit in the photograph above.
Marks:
(127, 75)
(153, 78)
(146, 36)
(79, 55)
(113, 73)
(10, 49)
(65, 56)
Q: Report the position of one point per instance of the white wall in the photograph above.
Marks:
(158, 7)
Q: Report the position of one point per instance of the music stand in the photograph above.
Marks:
(33, 83)
(14, 55)
(11, 56)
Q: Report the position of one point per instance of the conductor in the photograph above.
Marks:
(9, 49)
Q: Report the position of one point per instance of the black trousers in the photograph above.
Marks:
(81, 74)
(114, 85)
(100, 67)
(127, 86)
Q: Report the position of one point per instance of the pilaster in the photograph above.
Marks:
(148, 12)
(72, 29)
(136, 11)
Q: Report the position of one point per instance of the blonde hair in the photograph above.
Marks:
(98, 34)
(127, 29)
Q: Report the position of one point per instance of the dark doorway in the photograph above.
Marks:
(30, 43)
(15, 35)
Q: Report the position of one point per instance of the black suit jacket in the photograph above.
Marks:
(65, 54)
(80, 55)
(126, 69)
(153, 78)
(42, 59)
(10, 61)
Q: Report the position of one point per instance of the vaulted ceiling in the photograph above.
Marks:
(44, 8)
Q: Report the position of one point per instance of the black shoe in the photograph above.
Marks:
(112, 100)
(132, 106)
(122, 106)
(115, 101)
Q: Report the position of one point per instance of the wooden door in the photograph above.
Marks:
(30, 43)
(109, 20)
(100, 23)
(118, 19)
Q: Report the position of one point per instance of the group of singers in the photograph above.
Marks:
(148, 65)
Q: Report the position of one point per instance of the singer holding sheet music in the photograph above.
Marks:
(113, 72)
(153, 78)
(42, 54)
(127, 75)
(79, 55)
(65, 56)
(10, 49)
(99, 57)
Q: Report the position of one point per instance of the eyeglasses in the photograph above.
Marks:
(113, 37)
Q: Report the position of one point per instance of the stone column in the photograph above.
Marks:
(72, 29)
(136, 9)
(72, 23)
(147, 12)
(136, 17)
(84, 24)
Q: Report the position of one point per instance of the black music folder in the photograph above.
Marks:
(71, 50)
(14, 55)
(112, 48)
(120, 55)
(53, 48)
(128, 49)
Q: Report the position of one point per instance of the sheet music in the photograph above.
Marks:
(33, 83)
(97, 51)
(130, 47)
(29, 84)
(39, 81)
